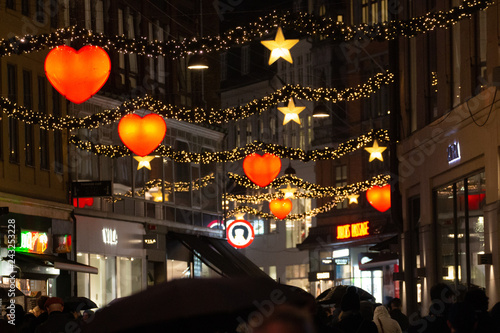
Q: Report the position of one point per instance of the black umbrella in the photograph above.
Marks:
(334, 295)
(79, 303)
(6, 292)
(196, 305)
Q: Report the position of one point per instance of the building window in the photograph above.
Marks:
(374, 11)
(58, 144)
(28, 128)
(11, 4)
(13, 124)
(341, 180)
(460, 231)
(25, 7)
(223, 66)
(40, 13)
(245, 60)
(54, 14)
(44, 135)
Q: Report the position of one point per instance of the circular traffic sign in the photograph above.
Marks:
(240, 233)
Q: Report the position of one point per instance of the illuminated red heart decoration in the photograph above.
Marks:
(262, 170)
(77, 75)
(142, 135)
(82, 202)
(280, 207)
(380, 197)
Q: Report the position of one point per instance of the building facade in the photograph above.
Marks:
(449, 156)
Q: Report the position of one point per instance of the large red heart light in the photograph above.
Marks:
(262, 170)
(82, 202)
(380, 197)
(142, 135)
(280, 207)
(77, 75)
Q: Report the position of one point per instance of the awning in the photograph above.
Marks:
(56, 262)
(217, 252)
(376, 260)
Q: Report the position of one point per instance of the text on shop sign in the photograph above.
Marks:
(353, 230)
(33, 241)
(109, 236)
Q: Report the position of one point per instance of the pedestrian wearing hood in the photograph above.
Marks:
(350, 319)
(384, 322)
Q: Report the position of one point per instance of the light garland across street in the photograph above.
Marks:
(303, 23)
(239, 153)
(196, 115)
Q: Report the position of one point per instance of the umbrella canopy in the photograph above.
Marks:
(334, 295)
(196, 305)
(79, 303)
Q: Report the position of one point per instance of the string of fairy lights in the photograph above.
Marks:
(304, 23)
(196, 115)
(193, 185)
(114, 151)
(317, 192)
(292, 217)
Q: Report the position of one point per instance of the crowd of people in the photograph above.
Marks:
(448, 313)
(49, 316)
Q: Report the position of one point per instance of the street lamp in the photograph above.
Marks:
(320, 111)
(198, 61)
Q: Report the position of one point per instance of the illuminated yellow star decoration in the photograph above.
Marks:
(375, 151)
(280, 47)
(239, 216)
(353, 198)
(289, 191)
(157, 197)
(144, 161)
(291, 112)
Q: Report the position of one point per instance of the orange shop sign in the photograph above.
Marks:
(353, 230)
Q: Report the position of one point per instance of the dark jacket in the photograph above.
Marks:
(355, 323)
(59, 322)
(401, 318)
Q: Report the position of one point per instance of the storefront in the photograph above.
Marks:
(116, 249)
(344, 255)
(449, 183)
(37, 251)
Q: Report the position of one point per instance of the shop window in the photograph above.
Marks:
(297, 275)
(103, 285)
(25, 7)
(129, 276)
(272, 273)
(460, 231)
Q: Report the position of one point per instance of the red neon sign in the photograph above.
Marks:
(353, 230)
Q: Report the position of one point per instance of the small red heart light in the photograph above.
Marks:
(82, 202)
(280, 207)
(77, 75)
(262, 170)
(380, 197)
(142, 135)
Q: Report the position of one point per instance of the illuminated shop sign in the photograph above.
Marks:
(341, 261)
(62, 243)
(109, 236)
(33, 242)
(323, 275)
(453, 151)
(353, 230)
(327, 261)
